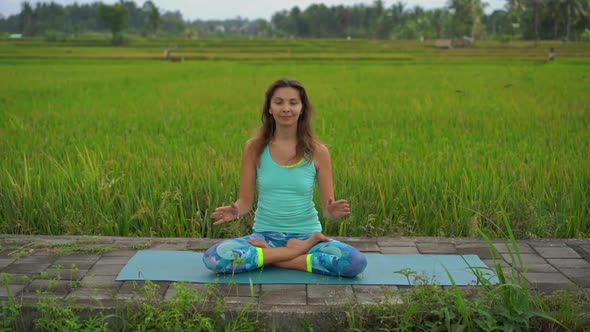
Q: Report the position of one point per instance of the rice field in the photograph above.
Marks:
(114, 141)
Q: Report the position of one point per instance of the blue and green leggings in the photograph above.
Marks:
(330, 258)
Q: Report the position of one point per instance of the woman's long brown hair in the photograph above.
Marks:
(306, 139)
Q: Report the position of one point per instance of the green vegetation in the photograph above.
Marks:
(437, 143)
(190, 309)
(423, 308)
(115, 16)
(431, 308)
(503, 305)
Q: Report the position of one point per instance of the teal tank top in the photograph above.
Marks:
(285, 197)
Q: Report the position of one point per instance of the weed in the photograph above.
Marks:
(506, 305)
(10, 312)
(55, 316)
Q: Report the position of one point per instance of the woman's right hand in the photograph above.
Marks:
(225, 213)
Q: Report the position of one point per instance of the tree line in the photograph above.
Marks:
(519, 19)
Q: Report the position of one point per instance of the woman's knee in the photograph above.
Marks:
(219, 255)
(357, 262)
(211, 259)
(234, 255)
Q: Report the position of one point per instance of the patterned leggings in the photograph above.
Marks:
(330, 258)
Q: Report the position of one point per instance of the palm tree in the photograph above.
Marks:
(26, 19)
(499, 22)
(573, 11)
(537, 6)
(153, 15)
(568, 13)
(552, 11)
(520, 7)
(466, 14)
(397, 12)
(439, 19)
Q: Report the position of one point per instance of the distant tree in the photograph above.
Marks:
(115, 16)
(153, 17)
(10, 24)
(84, 17)
(381, 22)
(498, 23)
(320, 21)
(281, 22)
(528, 11)
(440, 20)
(397, 12)
(537, 6)
(50, 19)
(344, 17)
(416, 25)
(530, 19)
(136, 18)
(262, 26)
(417, 16)
(26, 22)
(573, 11)
(582, 25)
(466, 15)
(550, 18)
(299, 24)
(173, 23)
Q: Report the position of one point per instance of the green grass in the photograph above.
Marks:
(440, 144)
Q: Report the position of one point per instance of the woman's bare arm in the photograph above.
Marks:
(332, 209)
(247, 185)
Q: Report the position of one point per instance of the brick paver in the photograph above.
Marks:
(275, 295)
(376, 294)
(400, 250)
(436, 248)
(329, 294)
(557, 252)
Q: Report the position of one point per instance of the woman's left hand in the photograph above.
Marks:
(337, 209)
(225, 213)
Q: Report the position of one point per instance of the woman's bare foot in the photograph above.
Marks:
(259, 243)
(302, 246)
(318, 237)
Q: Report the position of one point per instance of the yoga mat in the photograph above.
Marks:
(156, 265)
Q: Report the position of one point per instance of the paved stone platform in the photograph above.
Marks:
(82, 269)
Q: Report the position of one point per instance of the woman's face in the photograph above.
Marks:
(286, 106)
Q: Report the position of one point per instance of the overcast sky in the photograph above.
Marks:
(251, 9)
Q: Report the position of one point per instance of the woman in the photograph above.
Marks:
(284, 160)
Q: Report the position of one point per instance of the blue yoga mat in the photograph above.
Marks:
(188, 266)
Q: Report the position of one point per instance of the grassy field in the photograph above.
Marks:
(113, 141)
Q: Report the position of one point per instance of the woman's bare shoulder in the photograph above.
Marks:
(321, 155)
(251, 143)
(321, 148)
(252, 148)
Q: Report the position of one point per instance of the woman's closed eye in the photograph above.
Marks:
(279, 101)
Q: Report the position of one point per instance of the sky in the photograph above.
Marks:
(251, 9)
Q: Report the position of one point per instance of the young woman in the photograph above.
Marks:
(283, 161)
